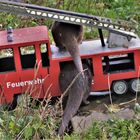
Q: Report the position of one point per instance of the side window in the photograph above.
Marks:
(7, 60)
(27, 56)
(44, 55)
(118, 63)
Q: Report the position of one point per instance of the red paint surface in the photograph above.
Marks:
(50, 86)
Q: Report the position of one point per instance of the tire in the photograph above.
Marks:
(120, 87)
(133, 85)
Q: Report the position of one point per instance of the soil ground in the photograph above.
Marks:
(100, 103)
(100, 109)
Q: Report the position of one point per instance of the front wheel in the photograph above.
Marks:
(120, 87)
(135, 85)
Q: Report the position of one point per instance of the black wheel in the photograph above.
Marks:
(120, 87)
(134, 85)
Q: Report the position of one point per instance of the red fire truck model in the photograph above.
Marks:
(28, 63)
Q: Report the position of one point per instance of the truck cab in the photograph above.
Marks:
(25, 63)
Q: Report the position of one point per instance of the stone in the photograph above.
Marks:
(82, 123)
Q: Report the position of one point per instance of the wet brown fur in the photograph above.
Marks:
(78, 92)
(68, 37)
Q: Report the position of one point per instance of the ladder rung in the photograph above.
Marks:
(65, 16)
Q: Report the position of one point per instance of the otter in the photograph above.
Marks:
(68, 37)
(78, 92)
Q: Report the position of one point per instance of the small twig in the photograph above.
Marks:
(44, 109)
(46, 93)
(3, 128)
(21, 132)
(109, 89)
(127, 102)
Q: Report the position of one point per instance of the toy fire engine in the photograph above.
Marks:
(28, 63)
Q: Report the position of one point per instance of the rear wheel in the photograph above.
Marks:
(135, 85)
(120, 87)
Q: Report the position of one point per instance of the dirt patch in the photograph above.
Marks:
(100, 103)
(100, 109)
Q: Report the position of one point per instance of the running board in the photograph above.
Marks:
(99, 93)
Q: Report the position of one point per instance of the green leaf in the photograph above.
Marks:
(28, 132)
(11, 125)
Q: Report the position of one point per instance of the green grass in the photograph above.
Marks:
(34, 122)
(41, 122)
(110, 130)
(28, 123)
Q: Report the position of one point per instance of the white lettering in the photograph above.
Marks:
(8, 84)
(43, 80)
(24, 83)
(18, 84)
(35, 82)
(13, 85)
(30, 82)
(39, 80)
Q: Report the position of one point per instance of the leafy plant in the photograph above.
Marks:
(113, 129)
(29, 122)
(41, 122)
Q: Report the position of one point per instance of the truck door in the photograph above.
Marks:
(29, 80)
(9, 75)
(44, 69)
(34, 69)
